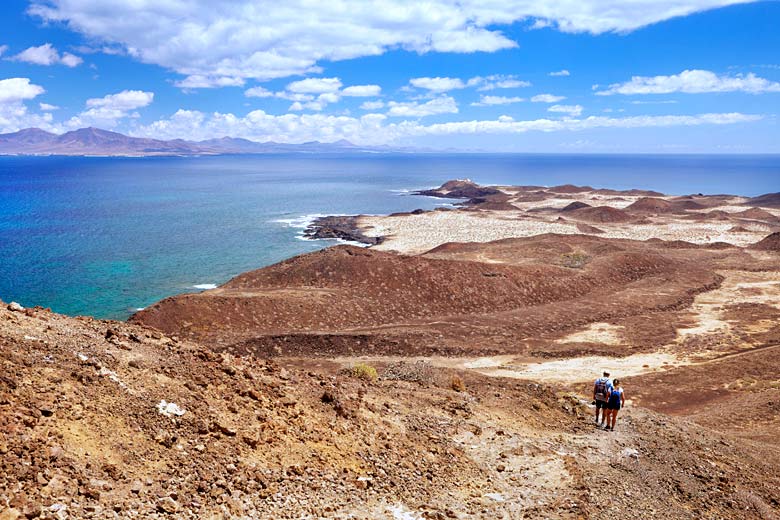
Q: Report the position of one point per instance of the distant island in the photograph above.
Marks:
(95, 141)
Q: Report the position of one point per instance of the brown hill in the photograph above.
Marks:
(575, 205)
(769, 243)
(650, 205)
(348, 299)
(602, 214)
(768, 200)
(757, 214)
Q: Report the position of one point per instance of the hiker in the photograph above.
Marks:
(601, 390)
(616, 401)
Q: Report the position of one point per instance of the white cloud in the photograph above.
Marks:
(210, 41)
(45, 107)
(125, 100)
(660, 102)
(438, 84)
(439, 105)
(692, 82)
(260, 92)
(553, 125)
(106, 112)
(563, 72)
(497, 100)
(547, 98)
(496, 81)
(70, 60)
(3, 48)
(14, 90)
(46, 54)
(13, 111)
(372, 105)
(375, 128)
(362, 91)
(315, 85)
(571, 110)
(205, 81)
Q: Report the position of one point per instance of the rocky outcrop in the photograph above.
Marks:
(339, 227)
(459, 189)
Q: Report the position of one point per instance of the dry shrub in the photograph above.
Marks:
(457, 384)
(364, 372)
(576, 260)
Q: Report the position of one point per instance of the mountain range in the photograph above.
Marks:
(95, 141)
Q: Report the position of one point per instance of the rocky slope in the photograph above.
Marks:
(104, 419)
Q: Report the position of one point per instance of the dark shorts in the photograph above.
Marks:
(600, 404)
(613, 404)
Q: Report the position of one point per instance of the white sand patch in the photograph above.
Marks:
(488, 362)
(414, 234)
(584, 369)
(745, 287)
(605, 333)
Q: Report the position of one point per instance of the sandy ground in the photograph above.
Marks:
(414, 234)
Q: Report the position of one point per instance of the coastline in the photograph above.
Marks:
(489, 213)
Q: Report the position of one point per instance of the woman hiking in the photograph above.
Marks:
(615, 402)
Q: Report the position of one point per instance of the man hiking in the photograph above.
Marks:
(602, 389)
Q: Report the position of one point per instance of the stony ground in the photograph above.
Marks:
(110, 420)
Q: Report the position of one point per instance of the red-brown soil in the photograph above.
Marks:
(770, 243)
(83, 437)
(602, 214)
(650, 205)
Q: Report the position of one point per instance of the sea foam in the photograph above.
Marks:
(205, 286)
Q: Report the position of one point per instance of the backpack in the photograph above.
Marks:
(601, 389)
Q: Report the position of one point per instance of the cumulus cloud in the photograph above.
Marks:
(692, 82)
(106, 112)
(315, 85)
(571, 110)
(377, 129)
(260, 92)
(438, 84)
(497, 100)
(497, 81)
(209, 41)
(14, 92)
(547, 98)
(372, 105)
(563, 72)
(362, 91)
(46, 54)
(439, 105)
(45, 107)
(205, 81)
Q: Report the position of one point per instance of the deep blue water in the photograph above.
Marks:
(103, 236)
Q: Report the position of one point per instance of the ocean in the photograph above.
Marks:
(105, 236)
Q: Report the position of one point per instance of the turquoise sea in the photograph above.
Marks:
(103, 236)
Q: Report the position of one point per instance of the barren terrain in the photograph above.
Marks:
(486, 325)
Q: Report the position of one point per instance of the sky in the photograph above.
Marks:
(554, 76)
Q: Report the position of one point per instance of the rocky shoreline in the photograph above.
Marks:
(339, 227)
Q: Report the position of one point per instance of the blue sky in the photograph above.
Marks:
(669, 76)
